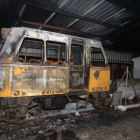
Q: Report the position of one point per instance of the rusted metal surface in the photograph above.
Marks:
(25, 78)
(10, 49)
(52, 27)
(3, 74)
(77, 80)
(42, 64)
(77, 66)
(4, 32)
(40, 81)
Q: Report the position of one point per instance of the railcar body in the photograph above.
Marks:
(50, 68)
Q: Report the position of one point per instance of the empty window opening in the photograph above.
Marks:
(76, 54)
(31, 51)
(56, 53)
(52, 56)
(97, 58)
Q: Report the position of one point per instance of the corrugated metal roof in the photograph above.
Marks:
(100, 10)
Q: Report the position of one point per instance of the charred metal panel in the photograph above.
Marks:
(77, 68)
(77, 65)
(77, 80)
(44, 79)
(54, 102)
(78, 92)
(40, 81)
(4, 32)
(3, 73)
(78, 41)
(14, 39)
(15, 101)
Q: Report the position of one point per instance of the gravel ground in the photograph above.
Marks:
(108, 125)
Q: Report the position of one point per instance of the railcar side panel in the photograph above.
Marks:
(34, 81)
(99, 79)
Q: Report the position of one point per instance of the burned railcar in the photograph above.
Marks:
(50, 67)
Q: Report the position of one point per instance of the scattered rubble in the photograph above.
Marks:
(107, 125)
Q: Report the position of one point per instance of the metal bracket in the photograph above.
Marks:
(81, 107)
(127, 73)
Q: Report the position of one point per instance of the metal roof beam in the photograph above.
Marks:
(64, 29)
(50, 26)
(129, 5)
(71, 15)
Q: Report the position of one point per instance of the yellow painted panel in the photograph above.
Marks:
(18, 71)
(21, 82)
(8, 62)
(23, 94)
(99, 79)
(7, 87)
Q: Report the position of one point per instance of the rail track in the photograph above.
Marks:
(42, 117)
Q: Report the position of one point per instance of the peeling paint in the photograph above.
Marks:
(18, 71)
(29, 79)
(3, 73)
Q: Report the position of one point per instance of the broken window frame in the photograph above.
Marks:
(51, 57)
(83, 56)
(42, 59)
(97, 61)
(59, 51)
(1, 45)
